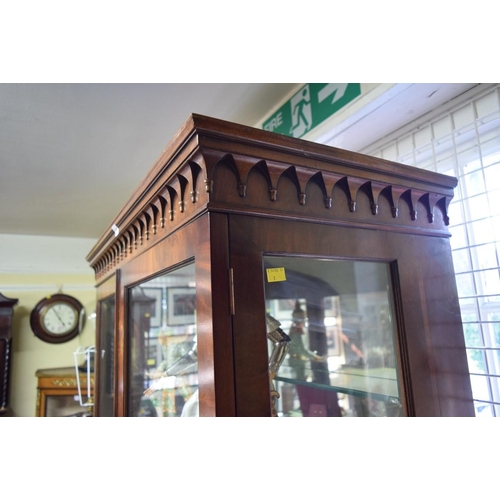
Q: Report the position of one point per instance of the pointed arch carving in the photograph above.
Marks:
(153, 213)
(241, 166)
(208, 160)
(354, 185)
(135, 235)
(374, 192)
(181, 184)
(170, 195)
(430, 200)
(394, 194)
(130, 241)
(260, 168)
(330, 180)
(117, 253)
(146, 217)
(195, 171)
(412, 196)
(274, 171)
(443, 204)
(319, 181)
(161, 204)
(303, 177)
(291, 173)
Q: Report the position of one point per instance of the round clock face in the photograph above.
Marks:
(57, 318)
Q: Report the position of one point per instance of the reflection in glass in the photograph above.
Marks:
(163, 363)
(338, 316)
(106, 366)
(64, 406)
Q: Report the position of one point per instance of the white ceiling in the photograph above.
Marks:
(72, 154)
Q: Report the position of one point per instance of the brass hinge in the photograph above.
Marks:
(231, 292)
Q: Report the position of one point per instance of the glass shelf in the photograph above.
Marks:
(356, 382)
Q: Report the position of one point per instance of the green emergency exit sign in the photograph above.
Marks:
(311, 105)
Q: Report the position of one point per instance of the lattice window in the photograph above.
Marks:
(465, 142)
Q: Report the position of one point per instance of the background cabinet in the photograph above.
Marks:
(57, 393)
(6, 313)
(263, 222)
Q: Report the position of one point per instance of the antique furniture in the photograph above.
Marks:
(57, 393)
(253, 274)
(6, 313)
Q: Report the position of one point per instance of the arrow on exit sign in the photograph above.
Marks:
(310, 106)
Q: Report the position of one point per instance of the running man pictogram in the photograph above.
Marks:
(301, 112)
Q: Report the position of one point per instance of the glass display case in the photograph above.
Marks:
(252, 274)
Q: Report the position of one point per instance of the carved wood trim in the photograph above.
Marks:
(181, 185)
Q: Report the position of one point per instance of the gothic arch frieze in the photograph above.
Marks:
(172, 199)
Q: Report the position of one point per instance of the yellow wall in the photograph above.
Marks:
(21, 279)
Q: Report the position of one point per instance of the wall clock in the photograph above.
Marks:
(57, 318)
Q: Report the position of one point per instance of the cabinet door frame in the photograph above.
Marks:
(433, 374)
(203, 241)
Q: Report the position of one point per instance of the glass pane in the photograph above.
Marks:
(163, 361)
(106, 359)
(461, 261)
(455, 212)
(478, 207)
(494, 205)
(65, 406)
(488, 282)
(494, 329)
(481, 232)
(485, 256)
(331, 338)
(472, 335)
(480, 387)
(474, 183)
(484, 409)
(495, 221)
(465, 285)
(477, 361)
(492, 176)
(458, 237)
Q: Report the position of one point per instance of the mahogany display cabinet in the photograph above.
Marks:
(253, 274)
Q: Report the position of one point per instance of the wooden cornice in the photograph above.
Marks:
(184, 183)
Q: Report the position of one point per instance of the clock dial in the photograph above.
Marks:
(59, 318)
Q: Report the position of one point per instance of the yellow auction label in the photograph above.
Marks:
(276, 274)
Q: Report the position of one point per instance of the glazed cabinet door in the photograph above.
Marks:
(106, 352)
(344, 322)
(174, 326)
